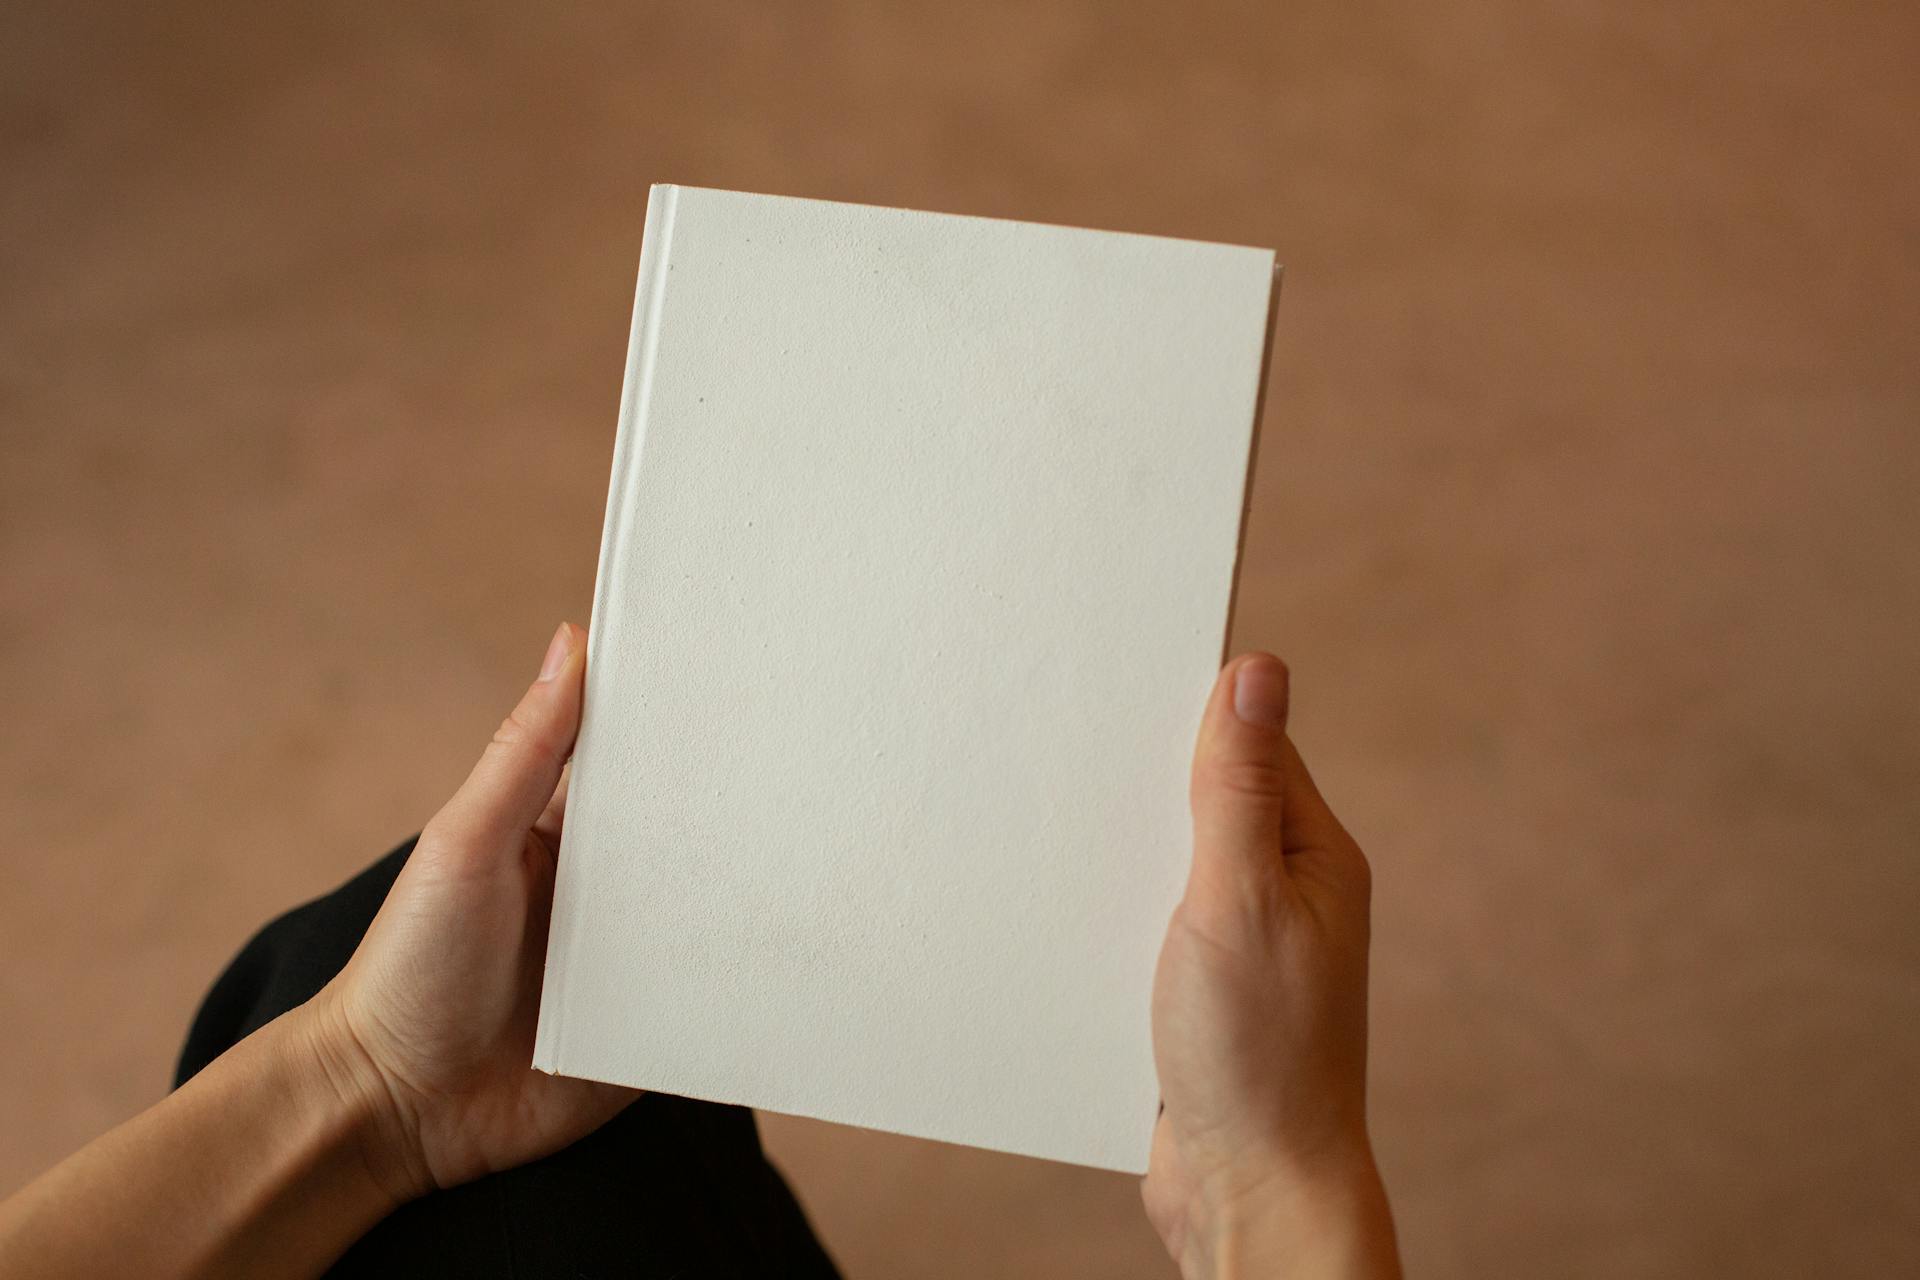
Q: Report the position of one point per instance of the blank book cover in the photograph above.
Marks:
(918, 556)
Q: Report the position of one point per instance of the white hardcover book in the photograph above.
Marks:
(918, 560)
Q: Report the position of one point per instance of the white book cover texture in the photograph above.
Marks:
(918, 556)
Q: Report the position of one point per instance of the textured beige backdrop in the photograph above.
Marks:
(1589, 516)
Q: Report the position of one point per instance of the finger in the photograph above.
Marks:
(1310, 823)
(1241, 780)
(553, 818)
(1315, 842)
(507, 791)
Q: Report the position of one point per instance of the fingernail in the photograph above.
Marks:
(557, 654)
(1260, 692)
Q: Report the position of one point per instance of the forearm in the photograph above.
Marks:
(257, 1166)
(1330, 1227)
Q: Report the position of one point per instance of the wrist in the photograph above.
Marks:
(362, 1114)
(258, 1165)
(1328, 1217)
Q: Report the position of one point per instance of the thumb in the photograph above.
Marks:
(1240, 785)
(516, 776)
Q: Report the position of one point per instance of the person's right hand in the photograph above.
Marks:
(1261, 1163)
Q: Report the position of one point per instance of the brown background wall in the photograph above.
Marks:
(1587, 519)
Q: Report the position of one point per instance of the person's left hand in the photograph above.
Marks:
(429, 1028)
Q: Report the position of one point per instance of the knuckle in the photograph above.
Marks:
(443, 834)
(1362, 876)
(1251, 779)
(516, 733)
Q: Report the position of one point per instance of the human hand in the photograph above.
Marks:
(1261, 1160)
(428, 1030)
(409, 1071)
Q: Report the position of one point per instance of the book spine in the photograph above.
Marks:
(1253, 456)
(636, 394)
